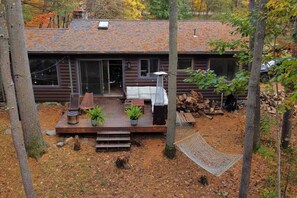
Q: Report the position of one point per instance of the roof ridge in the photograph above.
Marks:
(149, 20)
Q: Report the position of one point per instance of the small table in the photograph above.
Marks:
(139, 103)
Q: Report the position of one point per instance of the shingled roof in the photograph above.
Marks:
(126, 37)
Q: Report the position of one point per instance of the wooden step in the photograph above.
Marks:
(113, 139)
(124, 145)
(113, 133)
(113, 147)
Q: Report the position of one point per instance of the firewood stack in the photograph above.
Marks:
(194, 103)
(268, 102)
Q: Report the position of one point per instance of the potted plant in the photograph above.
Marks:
(96, 115)
(134, 113)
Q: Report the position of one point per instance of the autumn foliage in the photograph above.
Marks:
(41, 20)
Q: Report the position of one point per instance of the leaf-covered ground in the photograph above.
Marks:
(63, 172)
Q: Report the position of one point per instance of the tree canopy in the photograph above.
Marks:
(159, 9)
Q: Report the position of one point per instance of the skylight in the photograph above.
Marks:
(103, 25)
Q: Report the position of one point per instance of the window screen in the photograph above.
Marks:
(184, 63)
(148, 67)
(44, 71)
(224, 67)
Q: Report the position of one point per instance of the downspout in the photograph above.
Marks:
(70, 74)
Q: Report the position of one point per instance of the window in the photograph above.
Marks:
(44, 71)
(184, 63)
(148, 67)
(224, 67)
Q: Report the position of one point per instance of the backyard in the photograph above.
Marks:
(63, 172)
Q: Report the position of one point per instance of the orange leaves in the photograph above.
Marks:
(40, 20)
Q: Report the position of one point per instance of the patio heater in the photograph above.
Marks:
(159, 105)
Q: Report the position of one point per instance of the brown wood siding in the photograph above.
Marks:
(130, 76)
(199, 62)
(62, 92)
(184, 87)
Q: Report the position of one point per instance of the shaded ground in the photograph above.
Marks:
(63, 172)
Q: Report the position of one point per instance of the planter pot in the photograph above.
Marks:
(94, 123)
(134, 122)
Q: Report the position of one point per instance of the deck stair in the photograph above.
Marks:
(113, 140)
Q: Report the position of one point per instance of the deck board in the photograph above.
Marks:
(116, 120)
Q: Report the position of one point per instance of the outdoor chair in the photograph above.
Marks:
(87, 102)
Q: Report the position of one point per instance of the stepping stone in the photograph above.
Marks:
(51, 132)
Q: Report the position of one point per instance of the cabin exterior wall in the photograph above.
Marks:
(131, 76)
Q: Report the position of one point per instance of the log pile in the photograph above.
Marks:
(268, 102)
(195, 103)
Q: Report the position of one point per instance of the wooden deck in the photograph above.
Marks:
(115, 120)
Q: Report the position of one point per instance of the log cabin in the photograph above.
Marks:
(106, 56)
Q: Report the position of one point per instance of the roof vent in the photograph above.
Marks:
(195, 35)
(103, 24)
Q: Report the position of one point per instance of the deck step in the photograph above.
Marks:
(126, 145)
(113, 133)
(113, 147)
(113, 140)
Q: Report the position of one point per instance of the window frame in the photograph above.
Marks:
(225, 59)
(185, 58)
(149, 63)
(58, 61)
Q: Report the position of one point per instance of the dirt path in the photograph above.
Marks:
(63, 172)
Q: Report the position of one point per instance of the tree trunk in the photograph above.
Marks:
(252, 104)
(12, 106)
(256, 141)
(287, 122)
(252, 24)
(34, 143)
(170, 149)
(287, 128)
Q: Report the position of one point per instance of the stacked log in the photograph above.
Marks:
(195, 103)
(268, 102)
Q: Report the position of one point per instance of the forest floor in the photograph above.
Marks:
(63, 172)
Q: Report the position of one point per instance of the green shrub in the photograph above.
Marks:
(266, 152)
(266, 123)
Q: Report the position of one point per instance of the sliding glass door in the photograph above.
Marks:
(102, 77)
(91, 77)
